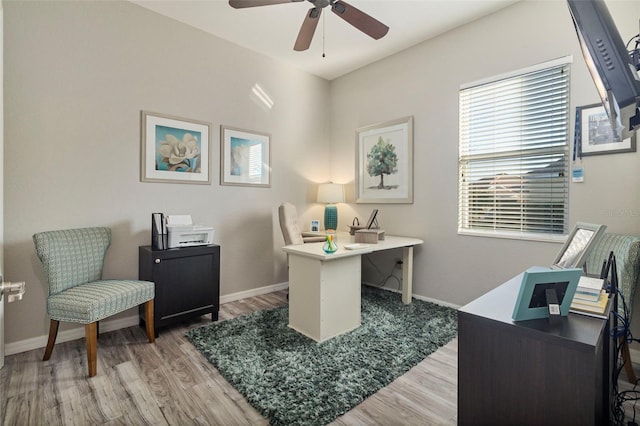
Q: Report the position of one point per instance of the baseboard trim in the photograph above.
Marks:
(67, 335)
(417, 296)
(253, 292)
(111, 325)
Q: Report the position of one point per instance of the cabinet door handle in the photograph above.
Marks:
(157, 260)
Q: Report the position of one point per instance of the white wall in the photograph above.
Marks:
(424, 81)
(77, 75)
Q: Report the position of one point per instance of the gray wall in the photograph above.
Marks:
(424, 81)
(77, 75)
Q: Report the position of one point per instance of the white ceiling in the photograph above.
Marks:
(272, 30)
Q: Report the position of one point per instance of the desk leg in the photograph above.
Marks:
(407, 274)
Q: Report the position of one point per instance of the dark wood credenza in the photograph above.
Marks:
(187, 282)
(531, 372)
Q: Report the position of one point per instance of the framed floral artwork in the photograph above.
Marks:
(245, 157)
(384, 162)
(175, 150)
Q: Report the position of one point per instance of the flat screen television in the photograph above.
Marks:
(610, 64)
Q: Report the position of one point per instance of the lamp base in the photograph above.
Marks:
(330, 217)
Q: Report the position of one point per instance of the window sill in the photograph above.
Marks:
(550, 238)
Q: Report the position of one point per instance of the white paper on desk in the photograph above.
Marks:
(179, 219)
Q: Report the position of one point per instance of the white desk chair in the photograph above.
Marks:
(291, 232)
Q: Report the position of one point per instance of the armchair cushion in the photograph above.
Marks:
(98, 300)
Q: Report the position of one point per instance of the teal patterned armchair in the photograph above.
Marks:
(73, 261)
(626, 248)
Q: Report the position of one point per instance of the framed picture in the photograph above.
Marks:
(372, 220)
(384, 162)
(596, 135)
(532, 300)
(174, 149)
(315, 226)
(245, 157)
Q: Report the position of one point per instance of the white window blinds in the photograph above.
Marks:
(514, 154)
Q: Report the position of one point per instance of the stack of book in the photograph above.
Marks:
(590, 297)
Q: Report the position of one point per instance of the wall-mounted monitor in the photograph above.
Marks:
(575, 250)
(610, 64)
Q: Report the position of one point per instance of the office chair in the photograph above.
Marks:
(288, 216)
(73, 261)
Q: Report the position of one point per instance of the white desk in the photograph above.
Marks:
(324, 289)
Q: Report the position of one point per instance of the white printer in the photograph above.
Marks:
(183, 233)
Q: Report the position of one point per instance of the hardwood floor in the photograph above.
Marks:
(171, 383)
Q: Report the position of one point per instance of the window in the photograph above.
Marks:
(514, 154)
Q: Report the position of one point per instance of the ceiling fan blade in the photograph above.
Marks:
(241, 4)
(307, 29)
(365, 23)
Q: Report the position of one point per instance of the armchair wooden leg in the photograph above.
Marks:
(148, 320)
(53, 333)
(91, 339)
(626, 358)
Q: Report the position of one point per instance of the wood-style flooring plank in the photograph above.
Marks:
(407, 401)
(139, 394)
(24, 409)
(26, 380)
(106, 398)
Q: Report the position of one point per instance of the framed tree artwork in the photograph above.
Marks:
(384, 162)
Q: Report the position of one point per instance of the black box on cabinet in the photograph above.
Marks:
(187, 282)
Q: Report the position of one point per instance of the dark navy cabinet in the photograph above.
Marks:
(187, 282)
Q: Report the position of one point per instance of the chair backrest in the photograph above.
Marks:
(72, 257)
(626, 248)
(288, 216)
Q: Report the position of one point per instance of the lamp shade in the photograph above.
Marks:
(330, 193)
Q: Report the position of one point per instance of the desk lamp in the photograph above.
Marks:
(330, 193)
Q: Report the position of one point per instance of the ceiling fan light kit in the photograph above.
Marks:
(352, 15)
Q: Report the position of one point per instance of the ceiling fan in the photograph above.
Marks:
(354, 16)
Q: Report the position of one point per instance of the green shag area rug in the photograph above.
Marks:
(292, 380)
